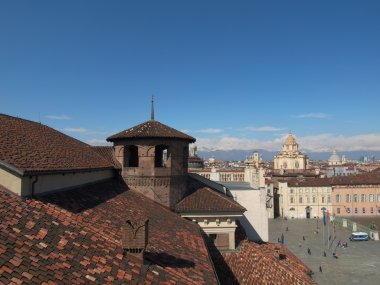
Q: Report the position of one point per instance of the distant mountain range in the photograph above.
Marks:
(237, 154)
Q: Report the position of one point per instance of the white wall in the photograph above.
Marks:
(22, 186)
(55, 182)
(255, 219)
(10, 181)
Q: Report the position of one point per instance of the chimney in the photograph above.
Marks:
(135, 239)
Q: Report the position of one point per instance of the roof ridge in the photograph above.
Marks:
(230, 199)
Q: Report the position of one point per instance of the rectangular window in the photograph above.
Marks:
(348, 210)
(337, 198)
(355, 198)
(363, 198)
(323, 199)
(371, 197)
(291, 200)
(356, 210)
(371, 210)
(338, 210)
(363, 210)
(328, 199)
(291, 191)
(378, 198)
(314, 199)
(348, 198)
(300, 200)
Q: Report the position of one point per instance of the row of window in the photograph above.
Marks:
(355, 197)
(312, 190)
(307, 199)
(348, 210)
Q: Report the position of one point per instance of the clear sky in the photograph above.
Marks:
(233, 74)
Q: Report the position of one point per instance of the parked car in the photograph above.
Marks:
(358, 236)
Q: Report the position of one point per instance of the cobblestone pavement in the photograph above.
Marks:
(359, 263)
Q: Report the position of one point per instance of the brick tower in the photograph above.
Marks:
(154, 159)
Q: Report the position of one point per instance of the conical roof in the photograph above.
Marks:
(151, 129)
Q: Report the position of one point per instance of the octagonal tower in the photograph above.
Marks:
(154, 159)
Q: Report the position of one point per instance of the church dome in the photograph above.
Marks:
(334, 157)
(290, 140)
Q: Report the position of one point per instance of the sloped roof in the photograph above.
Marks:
(205, 199)
(371, 178)
(75, 237)
(259, 264)
(309, 182)
(151, 129)
(29, 147)
(109, 154)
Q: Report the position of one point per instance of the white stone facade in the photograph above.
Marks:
(290, 157)
(304, 202)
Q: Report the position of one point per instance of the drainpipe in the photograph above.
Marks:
(33, 183)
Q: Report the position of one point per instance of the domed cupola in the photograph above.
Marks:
(334, 159)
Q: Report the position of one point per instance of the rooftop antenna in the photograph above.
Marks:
(152, 109)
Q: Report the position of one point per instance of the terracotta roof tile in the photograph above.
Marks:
(151, 129)
(109, 154)
(309, 182)
(361, 179)
(32, 147)
(260, 264)
(206, 199)
(75, 237)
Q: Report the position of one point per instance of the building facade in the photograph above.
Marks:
(290, 157)
(356, 196)
(305, 199)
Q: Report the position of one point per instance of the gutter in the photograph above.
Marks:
(20, 173)
(12, 169)
(33, 184)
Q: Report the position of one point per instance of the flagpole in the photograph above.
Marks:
(328, 229)
(324, 225)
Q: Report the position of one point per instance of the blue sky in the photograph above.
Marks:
(233, 74)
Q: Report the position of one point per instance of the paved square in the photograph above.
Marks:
(359, 263)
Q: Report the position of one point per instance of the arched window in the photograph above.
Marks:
(160, 155)
(355, 198)
(348, 198)
(131, 156)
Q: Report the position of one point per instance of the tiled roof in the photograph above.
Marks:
(32, 147)
(363, 179)
(205, 199)
(259, 264)
(109, 154)
(74, 237)
(151, 129)
(310, 182)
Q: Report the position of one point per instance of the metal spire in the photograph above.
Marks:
(152, 109)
